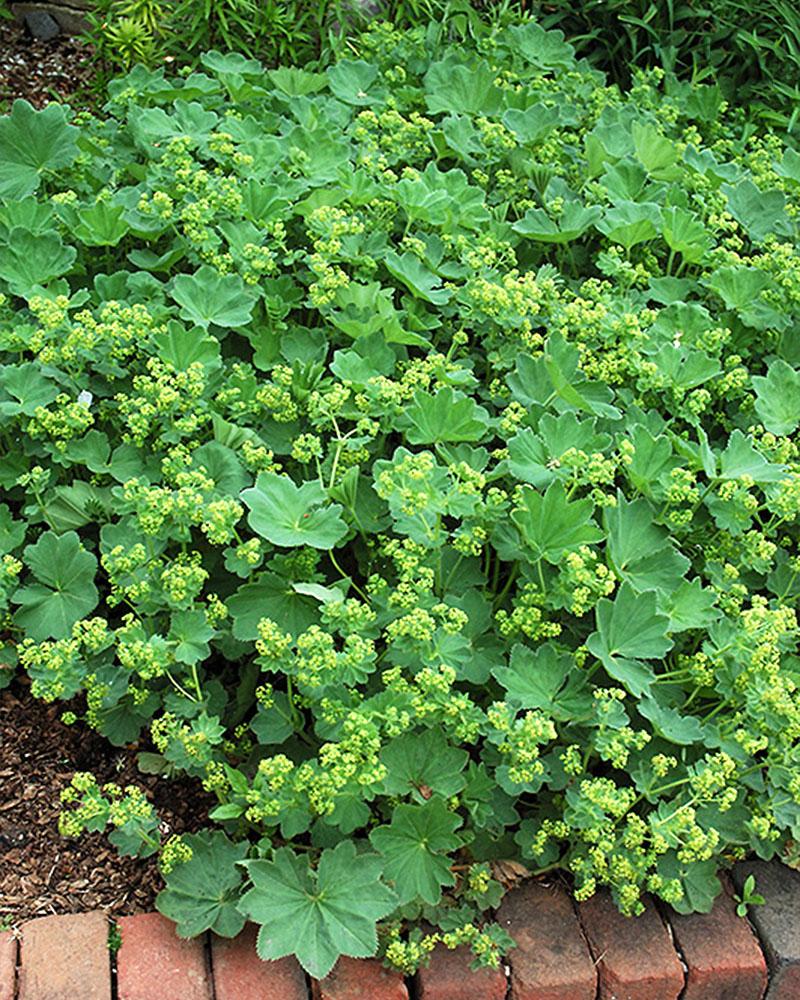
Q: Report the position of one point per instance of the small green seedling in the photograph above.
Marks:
(114, 939)
(749, 896)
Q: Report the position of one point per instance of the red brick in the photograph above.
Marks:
(155, 964)
(360, 979)
(722, 955)
(65, 957)
(785, 984)
(239, 974)
(449, 977)
(8, 965)
(551, 960)
(635, 957)
(777, 922)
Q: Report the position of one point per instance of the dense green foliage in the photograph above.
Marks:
(177, 32)
(411, 451)
(751, 47)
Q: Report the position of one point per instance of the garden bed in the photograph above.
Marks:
(42, 872)
(41, 71)
(407, 453)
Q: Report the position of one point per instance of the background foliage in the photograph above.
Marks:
(751, 49)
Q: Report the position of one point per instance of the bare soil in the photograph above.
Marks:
(40, 871)
(39, 72)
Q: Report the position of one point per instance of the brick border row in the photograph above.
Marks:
(564, 952)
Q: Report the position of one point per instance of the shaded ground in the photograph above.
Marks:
(40, 871)
(41, 71)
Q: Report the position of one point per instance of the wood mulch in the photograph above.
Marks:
(40, 871)
(39, 72)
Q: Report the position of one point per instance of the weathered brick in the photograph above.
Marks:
(155, 964)
(551, 960)
(722, 955)
(65, 957)
(239, 974)
(448, 976)
(635, 957)
(357, 979)
(777, 923)
(8, 965)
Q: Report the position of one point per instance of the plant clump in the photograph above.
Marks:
(409, 453)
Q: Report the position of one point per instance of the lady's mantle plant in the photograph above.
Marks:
(409, 451)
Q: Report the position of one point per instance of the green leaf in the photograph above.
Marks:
(415, 848)
(424, 284)
(541, 48)
(573, 222)
(536, 458)
(367, 310)
(450, 415)
(286, 514)
(421, 764)
(270, 596)
(629, 629)
(100, 225)
(12, 532)
(296, 82)
(630, 223)
(690, 605)
(29, 260)
(739, 287)
(672, 724)
(684, 233)
(26, 387)
(207, 297)
(469, 90)
(32, 142)
(778, 397)
(273, 724)
(655, 152)
(641, 551)
(761, 213)
(153, 126)
(202, 894)
(222, 465)
(182, 347)
(698, 880)
(551, 524)
(652, 459)
(191, 633)
(73, 506)
(317, 916)
(532, 124)
(560, 360)
(356, 82)
(546, 679)
(64, 591)
(741, 458)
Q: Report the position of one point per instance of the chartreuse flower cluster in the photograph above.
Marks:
(408, 453)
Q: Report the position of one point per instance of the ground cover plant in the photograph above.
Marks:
(752, 49)
(409, 452)
(177, 32)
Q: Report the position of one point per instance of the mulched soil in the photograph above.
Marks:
(42, 71)
(40, 871)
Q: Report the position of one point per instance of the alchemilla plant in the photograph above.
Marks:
(409, 453)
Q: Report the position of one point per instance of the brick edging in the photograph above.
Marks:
(564, 952)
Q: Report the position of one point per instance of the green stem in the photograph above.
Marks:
(344, 576)
(507, 586)
(182, 690)
(196, 682)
